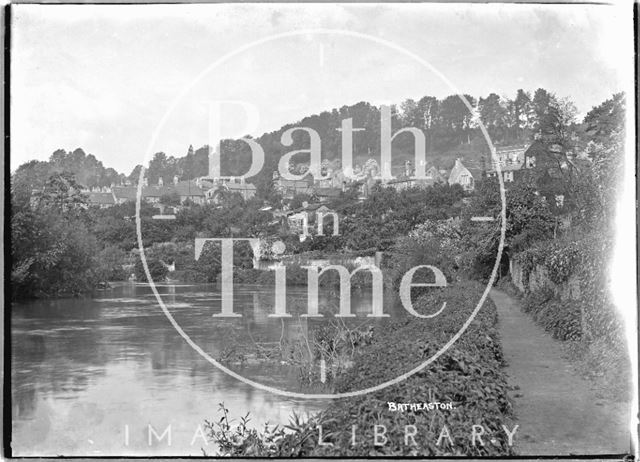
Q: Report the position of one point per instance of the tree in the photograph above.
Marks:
(456, 121)
(529, 219)
(542, 99)
(52, 252)
(61, 192)
(171, 199)
(494, 116)
(134, 176)
(596, 188)
(605, 122)
(163, 167)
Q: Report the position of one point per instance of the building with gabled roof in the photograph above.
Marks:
(246, 190)
(186, 190)
(510, 159)
(462, 175)
(101, 199)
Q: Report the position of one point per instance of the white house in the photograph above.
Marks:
(462, 176)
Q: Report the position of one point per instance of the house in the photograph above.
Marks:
(510, 160)
(213, 189)
(189, 190)
(332, 175)
(246, 190)
(542, 157)
(435, 175)
(406, 181)
(327, 194)
(298, 218)
(296, 221)
(291, 188)
(461, 175)
(102, 200)
(124, 194)
(186, 190)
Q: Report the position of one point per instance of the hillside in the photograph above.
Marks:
(449, 128)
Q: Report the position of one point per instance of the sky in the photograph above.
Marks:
(125, 81)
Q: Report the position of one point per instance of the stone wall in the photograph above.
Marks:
(539, 279)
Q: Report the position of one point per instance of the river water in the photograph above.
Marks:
(101, 375)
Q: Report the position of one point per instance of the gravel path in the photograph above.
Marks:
(557, 410)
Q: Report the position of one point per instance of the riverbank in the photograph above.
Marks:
(469, 375)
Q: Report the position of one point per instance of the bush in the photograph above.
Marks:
(110, 264)
(562, 319)
(157, 270)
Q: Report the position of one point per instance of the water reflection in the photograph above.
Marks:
(90, 375)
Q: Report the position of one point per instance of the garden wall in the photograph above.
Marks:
(538, 279)
(565, 288)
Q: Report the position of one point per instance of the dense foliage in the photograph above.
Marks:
(566, 280)
(52, 249)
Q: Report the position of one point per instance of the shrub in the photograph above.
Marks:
(157, 270)
(294, 439)
(562, 319)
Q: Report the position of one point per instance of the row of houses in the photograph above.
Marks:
(362, 178)
(197, 191)
(511, 160)
(185, 190)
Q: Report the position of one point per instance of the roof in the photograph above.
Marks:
(156, 191)
(514, 148)
(101, 198)
(182, 188)
(416, 181)
(240, 186)
(187, 188)
(312, 207)
(294, 183)
(327, 192)
(308, 208)
(206, 184)
(509, 157)
(125, 192)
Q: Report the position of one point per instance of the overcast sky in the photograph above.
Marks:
(103, 77)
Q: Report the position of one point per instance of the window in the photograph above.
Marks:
(531, 162)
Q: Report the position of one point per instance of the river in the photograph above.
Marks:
(97, 376)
